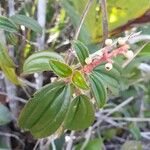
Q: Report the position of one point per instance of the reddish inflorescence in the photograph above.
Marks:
(106, 57)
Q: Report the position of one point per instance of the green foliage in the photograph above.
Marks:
(5, 115)
(39, 62)
(10, 74)
(46, 111)
(79, 81)
(8, 66)
(120, 12)
(7, 25)
(27, 22)
(80, 114)
(135, 131)
(81, 51)
(98, 89)
(132, 145)
(5, 58)
(61, 69)
(112, 78)
(95, 144)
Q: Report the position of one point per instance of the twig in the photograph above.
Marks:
(15, 97)
(139, 38)
(70, 142)
(12, 135)
(117, 108)
(36, 145)
(87, 7)
(70, 55)
(88, 135)
(104, 19)
(101, 118)
(131, 119)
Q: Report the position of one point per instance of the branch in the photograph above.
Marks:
(132, 119)
(14, 97)
(70, 56)
(104, 19)
(87, 7)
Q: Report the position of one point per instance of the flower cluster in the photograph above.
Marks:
(106, 55)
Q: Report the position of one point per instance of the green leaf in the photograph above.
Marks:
(45, 112)
(5, 115)
(80, 114)
(39, 62)
(60, 69)
(112, 78)
(132, 145)
(8, 66)
(98, 89)
(95, 144)
(7, 25)
(81, 51)
(27, 22)
(5, 58)
(79, 80)
(10, 74)
(134, 129)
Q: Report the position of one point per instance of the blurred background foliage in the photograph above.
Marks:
(62, 18)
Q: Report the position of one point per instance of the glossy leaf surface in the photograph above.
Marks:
(79, 80)
(60, 69)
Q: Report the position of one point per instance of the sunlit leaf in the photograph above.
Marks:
(79, 80)
(5, 58)
(10, 74)
(120, 12)
(60, 69)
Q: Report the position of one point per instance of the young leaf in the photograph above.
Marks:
(10, 74)
(80, 114)
(5, 58)
(79, 80)
(61, 69)
(27, 22)
(81, 51)
(98, 89)
(7, 25)
(39, 62)
(5, 116)
(45, 112)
